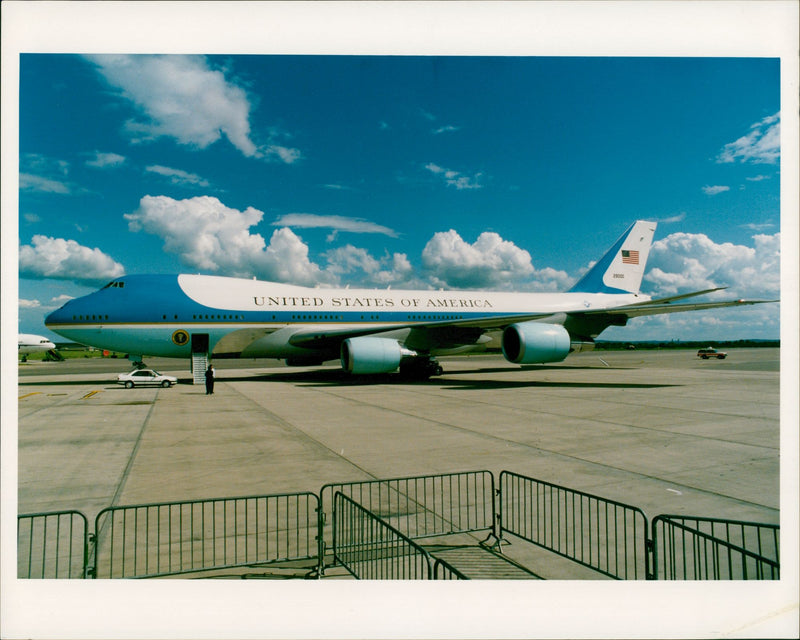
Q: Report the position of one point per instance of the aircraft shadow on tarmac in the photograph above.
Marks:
(337, 377)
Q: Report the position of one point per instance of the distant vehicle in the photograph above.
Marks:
(145, 377)
(711, 352)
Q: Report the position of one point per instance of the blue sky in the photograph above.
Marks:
(510, 173)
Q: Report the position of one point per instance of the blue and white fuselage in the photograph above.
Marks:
(371, 330)
(253, 319)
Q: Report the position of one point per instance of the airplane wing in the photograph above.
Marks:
(666, 305)
(466, 331)
(447, 331)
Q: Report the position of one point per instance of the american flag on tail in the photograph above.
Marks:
(630, 256)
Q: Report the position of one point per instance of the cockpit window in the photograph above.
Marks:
(115, 283)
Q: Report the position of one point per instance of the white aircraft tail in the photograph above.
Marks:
(621, 269)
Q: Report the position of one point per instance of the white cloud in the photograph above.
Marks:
(178, 176)
(44, 175)
(455, 178)
(752, 226)
(446, 129)
(209, 236)
(61, 259)
(60, 300)
(286, 155)
(183, 98)
(29, 304)
(684, 262)
(714, 190)
(761, 145)
(489, 262)
(30, 182)
(673, 219)
(105, 160)
(338, 223)
(351, 262)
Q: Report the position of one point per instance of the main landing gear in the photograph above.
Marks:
(420, 368)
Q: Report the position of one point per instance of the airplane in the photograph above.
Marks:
(28, 343)
(370, 331)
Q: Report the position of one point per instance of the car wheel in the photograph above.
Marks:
(165, 383)
(129, 385)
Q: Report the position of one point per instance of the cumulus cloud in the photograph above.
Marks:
(489, 261)
(61, 259)
(349, 262)
(338, 223)
(455, 178)
(184, 98)
(209, 236)
(714, 190)
(178, 176)
(684, 262)
(29, 304)
(761, 145)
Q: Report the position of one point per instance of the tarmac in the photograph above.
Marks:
(661, 430)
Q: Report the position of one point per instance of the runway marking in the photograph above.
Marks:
(28, 395)
(90, 394)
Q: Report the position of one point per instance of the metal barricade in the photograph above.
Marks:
(371, 549)
(444, 571)
(419, 506)
(693, 548)
(52, 545)
(607, 536)
(151, 540)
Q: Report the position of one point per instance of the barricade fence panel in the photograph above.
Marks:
(181, 537)
(693, 548)
(607, 536)
(371, 549)
(418, 506)
(612, 538)
(445, 571)
(425, 506)
(52, 545)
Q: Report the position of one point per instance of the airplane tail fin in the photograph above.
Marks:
(621, 269)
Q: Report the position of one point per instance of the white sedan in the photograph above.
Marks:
(145, 376)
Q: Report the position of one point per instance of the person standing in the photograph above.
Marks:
(210, 379)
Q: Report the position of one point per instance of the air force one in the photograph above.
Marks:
(370, 331)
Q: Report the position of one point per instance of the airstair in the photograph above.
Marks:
(199, 366)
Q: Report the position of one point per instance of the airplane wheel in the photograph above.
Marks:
(129, 385)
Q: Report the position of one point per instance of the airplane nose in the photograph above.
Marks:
(57, 317)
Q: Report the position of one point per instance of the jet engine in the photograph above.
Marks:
(365, 355)
(535, 343)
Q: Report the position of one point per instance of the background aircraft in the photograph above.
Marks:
(28, 343)
(370, 331)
